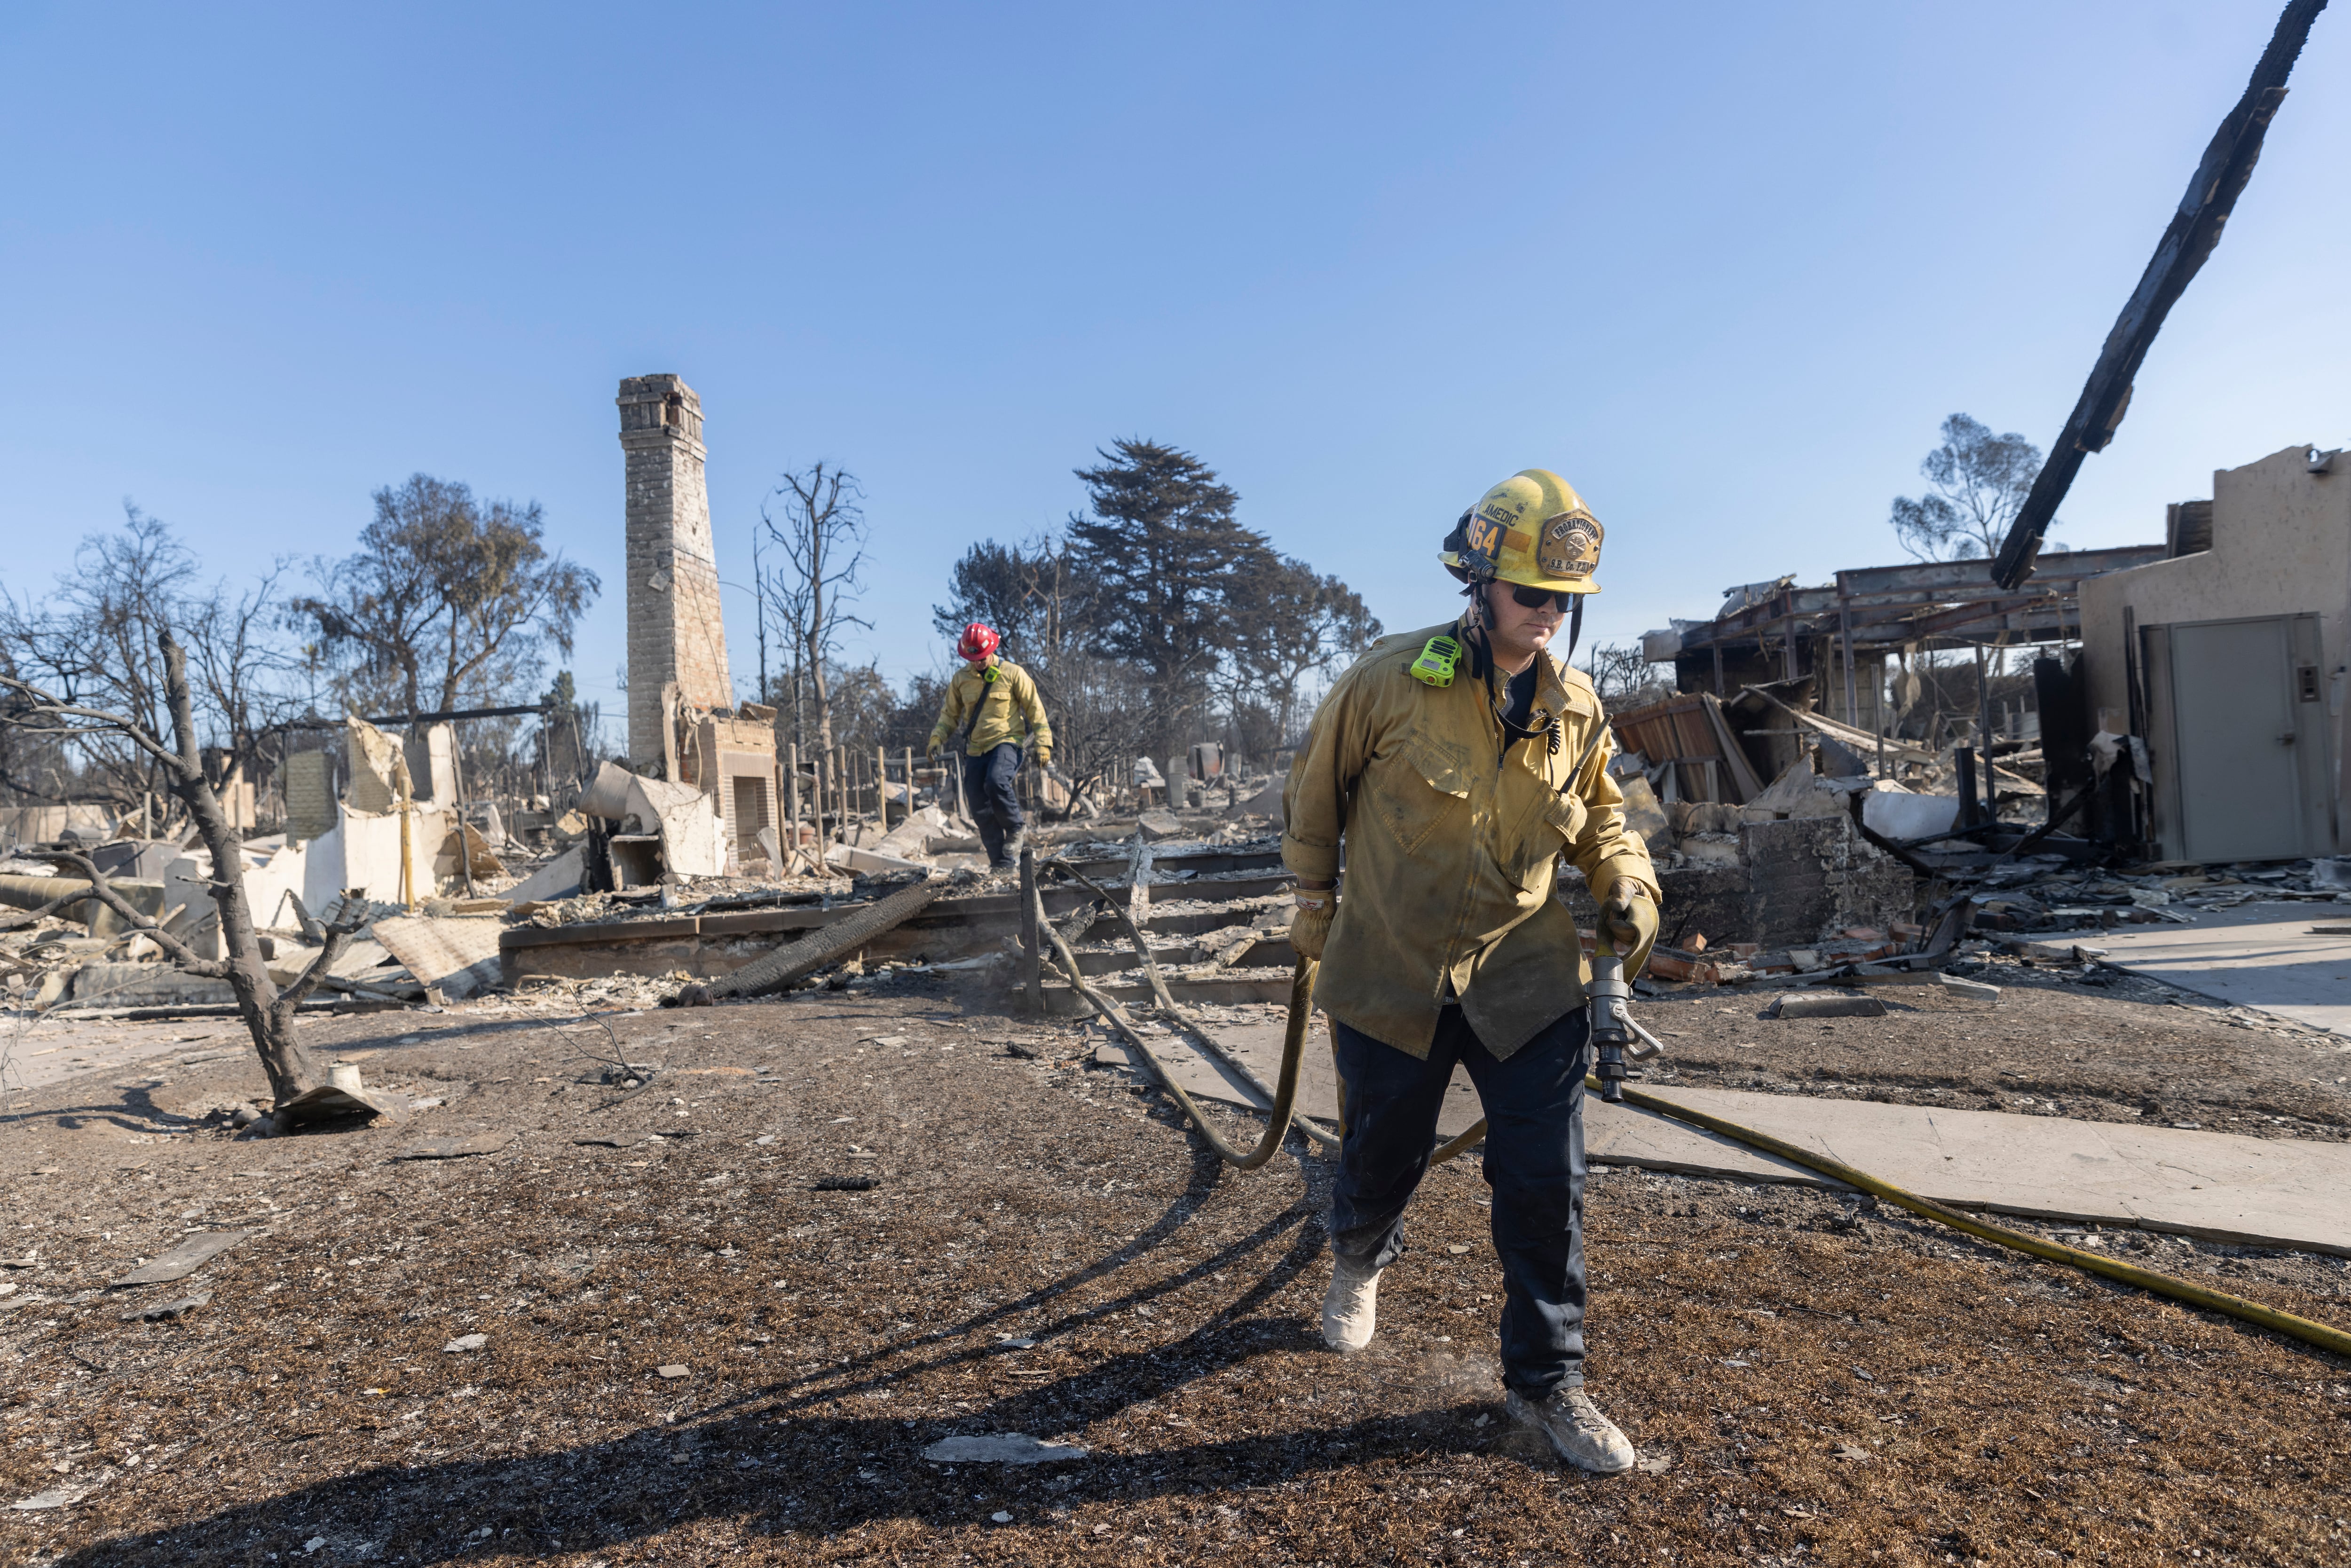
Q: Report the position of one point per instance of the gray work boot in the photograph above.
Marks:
(1350, 1311)
(1583, 1437)
(1015, 845)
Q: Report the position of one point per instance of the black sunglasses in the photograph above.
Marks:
(1535, 598)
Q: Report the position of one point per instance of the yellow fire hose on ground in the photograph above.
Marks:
(1284, 1093)
(2317, 1334)
(1283, 1115)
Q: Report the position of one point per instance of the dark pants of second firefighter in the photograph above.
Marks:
(1534, 1164)
(990, 794)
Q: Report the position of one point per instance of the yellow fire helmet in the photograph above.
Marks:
(1531, 529)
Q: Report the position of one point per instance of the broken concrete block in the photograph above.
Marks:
(1712, 816)
(1797, 793)
(185, 1259)
(456, 1148)
(1001, 1448)
(1158, 825)
(1966, 990)
(1266, 804)
(911, 837)
(849, 857)
(1826, 1005)
(1710, 849)
(1893, 813)
(558, 878)
(2055, 952)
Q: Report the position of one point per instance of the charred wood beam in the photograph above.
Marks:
(829, 944)
(1927, 581)
(2187, 241)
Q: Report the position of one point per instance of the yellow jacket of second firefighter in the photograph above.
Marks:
(1453, 838)
(1003, 703)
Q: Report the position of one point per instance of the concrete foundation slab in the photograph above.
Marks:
(2219, 1186)
(2260, 955)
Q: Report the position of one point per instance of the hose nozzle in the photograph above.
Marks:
(1615, 1033)
(1610, 1021)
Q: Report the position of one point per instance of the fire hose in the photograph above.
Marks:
(1614, 1034)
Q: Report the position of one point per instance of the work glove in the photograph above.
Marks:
(1310, 927)
(1628, 919)
(1045, 757)
(933, 752)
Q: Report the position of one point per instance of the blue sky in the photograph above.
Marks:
(1725, 267)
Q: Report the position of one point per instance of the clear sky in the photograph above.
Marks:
(1726, 266)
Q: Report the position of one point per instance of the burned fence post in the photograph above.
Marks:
(792, 805)
(1032, 950)
(1963, 759)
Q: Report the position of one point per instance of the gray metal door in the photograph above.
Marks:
(2244, 740)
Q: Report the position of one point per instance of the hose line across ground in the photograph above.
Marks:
(2304, 1329)
(1293, 1048)
(1299, 1002)
(1301, 995)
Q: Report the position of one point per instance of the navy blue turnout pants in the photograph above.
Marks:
(995, 803)
(1534, 1164)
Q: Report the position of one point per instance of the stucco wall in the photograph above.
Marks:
(2281, 546)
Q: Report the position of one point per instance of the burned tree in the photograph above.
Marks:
(91, 640)
(268, 1011)
(815, 518)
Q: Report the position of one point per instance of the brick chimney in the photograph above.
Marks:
(675, 629)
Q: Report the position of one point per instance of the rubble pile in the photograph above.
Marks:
(2048, 893)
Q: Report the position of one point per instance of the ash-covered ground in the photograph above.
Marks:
(1045, 1251)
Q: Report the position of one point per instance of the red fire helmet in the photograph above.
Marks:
(979, 641)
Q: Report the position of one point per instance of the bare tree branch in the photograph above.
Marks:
(102, 722)
(338, 941)
(182, 955)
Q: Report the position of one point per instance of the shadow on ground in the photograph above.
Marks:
(783, 1461)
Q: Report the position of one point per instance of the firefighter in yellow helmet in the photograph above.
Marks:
(1458, 765)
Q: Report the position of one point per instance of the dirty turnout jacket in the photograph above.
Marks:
(1452, 845)
(1004, 703)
